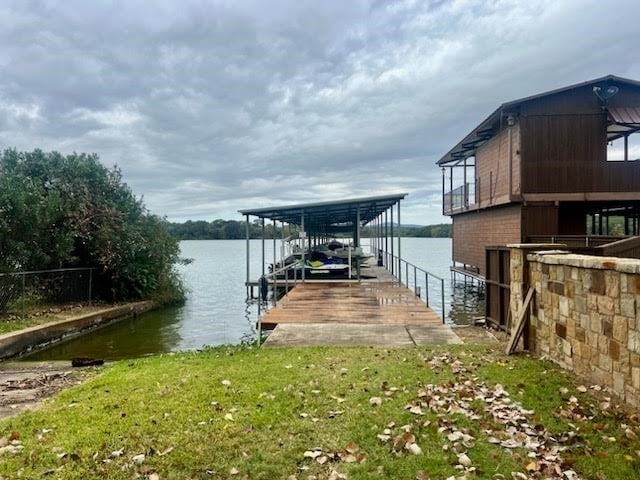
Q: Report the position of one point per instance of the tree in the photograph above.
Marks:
(63, 211)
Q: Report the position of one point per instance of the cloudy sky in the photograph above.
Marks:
(212, 106)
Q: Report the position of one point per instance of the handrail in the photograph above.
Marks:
(387, 256)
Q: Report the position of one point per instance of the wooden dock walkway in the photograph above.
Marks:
(349, 302)
(378, 311)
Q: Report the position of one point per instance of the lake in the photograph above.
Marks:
(216, 311)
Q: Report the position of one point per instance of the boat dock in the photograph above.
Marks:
(384, 300)
(379, 311)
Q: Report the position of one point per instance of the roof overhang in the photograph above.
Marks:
(328, 217)
(622, 121)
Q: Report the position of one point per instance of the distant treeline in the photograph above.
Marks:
(234, 229)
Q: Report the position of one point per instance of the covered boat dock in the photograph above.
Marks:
(384, 300)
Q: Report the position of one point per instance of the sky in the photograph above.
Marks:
(209, 107)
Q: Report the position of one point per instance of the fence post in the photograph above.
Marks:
(23, 292)
(415, 280)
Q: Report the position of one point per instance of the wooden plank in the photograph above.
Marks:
(358, 303)
(520, 323)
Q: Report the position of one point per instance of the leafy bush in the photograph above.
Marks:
(61, 211)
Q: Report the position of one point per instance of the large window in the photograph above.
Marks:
(625, 148)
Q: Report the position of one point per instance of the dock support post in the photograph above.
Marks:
(358, 232)
(274, 245)
(262, 247)
(248, 253)
(304, 235)
(386, 240)
(400, 244)
(393, 258)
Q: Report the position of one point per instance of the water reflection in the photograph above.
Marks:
(467, 302)
(152, 332)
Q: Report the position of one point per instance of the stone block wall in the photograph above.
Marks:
(586, 315)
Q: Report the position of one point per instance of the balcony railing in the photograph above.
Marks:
(458, 199)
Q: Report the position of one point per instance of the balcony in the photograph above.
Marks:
(459, 199)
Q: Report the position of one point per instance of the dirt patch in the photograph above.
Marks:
(24, 385)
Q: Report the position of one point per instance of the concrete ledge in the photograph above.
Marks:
(359, 334)
(15, 343)
(624, 265)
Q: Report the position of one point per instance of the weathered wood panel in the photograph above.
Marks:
(492, 168)
(474, 231)
(564, 146)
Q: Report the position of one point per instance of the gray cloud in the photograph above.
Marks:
(213, 106)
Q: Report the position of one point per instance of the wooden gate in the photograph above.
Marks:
(497, 281)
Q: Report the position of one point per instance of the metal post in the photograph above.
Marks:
(426, 288)
(415, 279)
(393, 259)
(358, 233)
(386, 239)
(274, 245)
(248, 253)
(303, 246)
(263, 259)
(275, 290)
(400, 241)
(23, 292)
(406, 273)
(443, 192)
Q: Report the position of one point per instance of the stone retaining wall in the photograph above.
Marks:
(586, 315)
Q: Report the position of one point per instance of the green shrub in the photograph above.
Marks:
(61, 211)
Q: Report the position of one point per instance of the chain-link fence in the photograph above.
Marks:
(20, 291)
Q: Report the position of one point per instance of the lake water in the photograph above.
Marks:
(216, 311)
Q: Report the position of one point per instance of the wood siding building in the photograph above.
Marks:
(564, 163)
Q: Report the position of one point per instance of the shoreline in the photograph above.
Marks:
(17, 343)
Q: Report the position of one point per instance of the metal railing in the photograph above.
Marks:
(272, 279)
(576, 240)
(456, 199)
(19, 290)
(419, 279)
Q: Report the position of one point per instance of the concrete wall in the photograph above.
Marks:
(586, 315)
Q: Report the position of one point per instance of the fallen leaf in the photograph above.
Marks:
(464, 460)
(414, 449)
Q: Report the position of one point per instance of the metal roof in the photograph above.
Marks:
(489, 127)
(328, 217)
(625, 115)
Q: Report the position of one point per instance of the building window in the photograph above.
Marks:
(626, 148)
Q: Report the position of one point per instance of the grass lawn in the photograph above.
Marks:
(354, 413)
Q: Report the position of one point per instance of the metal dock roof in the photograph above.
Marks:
(326, 216)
